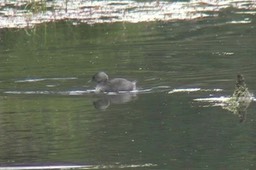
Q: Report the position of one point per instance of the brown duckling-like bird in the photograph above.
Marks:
(113, 85)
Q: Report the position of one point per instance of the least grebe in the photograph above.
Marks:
(113, 85)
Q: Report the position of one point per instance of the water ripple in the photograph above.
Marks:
(118, 166)
(43, 79)
(192, 90)
(92, 12)
(88, 91)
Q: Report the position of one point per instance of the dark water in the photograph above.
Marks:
(49, 114)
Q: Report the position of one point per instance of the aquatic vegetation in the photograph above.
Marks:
(240, 100)
(237, 103)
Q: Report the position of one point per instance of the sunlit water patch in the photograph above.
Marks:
(120, 166)
(89, 91)
(218, 101)
(17, 14)
(43, 79)
(66, 167)
(188, 90)
(69, 167)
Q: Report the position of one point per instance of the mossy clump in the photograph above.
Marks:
(240, 100)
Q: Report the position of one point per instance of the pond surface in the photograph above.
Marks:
(50, 116)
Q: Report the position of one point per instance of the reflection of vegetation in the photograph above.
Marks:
(41, 125)
(36, 6)
(49, 47)
(240, 99)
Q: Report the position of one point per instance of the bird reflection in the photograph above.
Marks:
(240, 100)
(106, 100)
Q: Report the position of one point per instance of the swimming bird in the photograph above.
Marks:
(113, 85)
